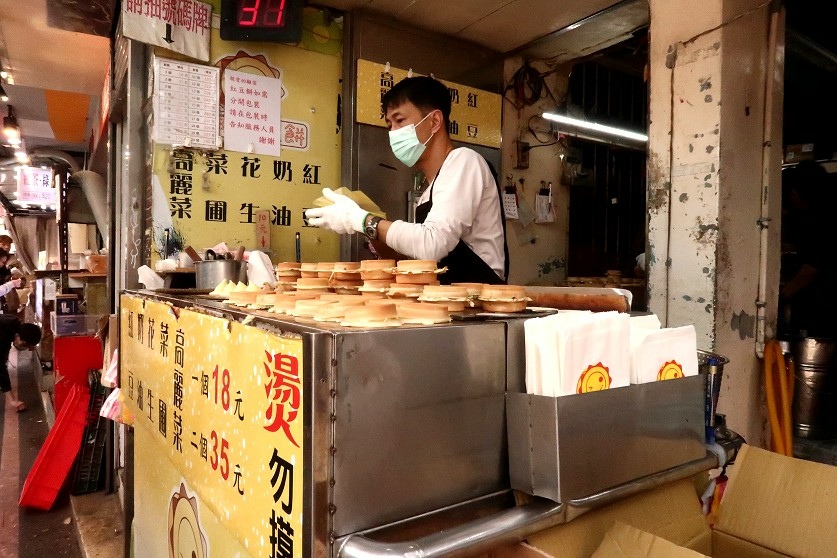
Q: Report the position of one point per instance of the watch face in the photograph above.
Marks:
(372, 227)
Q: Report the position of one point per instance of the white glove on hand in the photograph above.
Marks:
(343, 216)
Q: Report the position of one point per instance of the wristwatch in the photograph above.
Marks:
(371, 227)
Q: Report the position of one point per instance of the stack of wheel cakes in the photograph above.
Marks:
(412, 278)
(375, 293)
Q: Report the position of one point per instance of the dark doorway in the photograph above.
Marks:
(607, 226)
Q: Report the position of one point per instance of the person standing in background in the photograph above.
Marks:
(22, 336)
(9, 301)
(6, 244)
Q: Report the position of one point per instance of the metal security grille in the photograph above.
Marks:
(608, 209)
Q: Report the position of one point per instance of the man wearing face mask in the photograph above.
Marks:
(459, 218)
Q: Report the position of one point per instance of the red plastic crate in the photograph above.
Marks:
(55, 460)
(73, 357)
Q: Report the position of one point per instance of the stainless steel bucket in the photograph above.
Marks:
(210, 273)
(814, 391)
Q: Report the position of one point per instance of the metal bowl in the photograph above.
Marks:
(211, 273)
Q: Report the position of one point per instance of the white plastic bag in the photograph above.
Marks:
(150, 279)
(260, 270)
(111, 376)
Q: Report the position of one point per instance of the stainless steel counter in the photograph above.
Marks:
(399, 422)
(404, 423)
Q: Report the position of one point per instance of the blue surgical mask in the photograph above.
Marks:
(406, 145)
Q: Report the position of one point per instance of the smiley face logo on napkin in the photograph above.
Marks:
(595, 378)
(669, 371)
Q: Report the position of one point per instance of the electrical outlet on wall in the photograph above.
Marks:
(521, 154)
(526, 238)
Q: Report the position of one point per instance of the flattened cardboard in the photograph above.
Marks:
(671, 511)
(727, 546)
(785, 505)
(624, 541)
(520, 550)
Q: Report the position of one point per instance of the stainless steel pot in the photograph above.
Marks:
(815, 392)
(210, 273)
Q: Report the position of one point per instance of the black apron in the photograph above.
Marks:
(464, 266)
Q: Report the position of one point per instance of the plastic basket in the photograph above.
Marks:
(88, 467)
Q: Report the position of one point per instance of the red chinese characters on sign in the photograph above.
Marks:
(263, 229)
(252, 113)
(283, 393)
(294, 134)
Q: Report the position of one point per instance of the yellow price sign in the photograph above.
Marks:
(223, 402)
(475, 115)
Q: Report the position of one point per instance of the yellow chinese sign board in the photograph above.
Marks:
(202, 198)
(475, 115)
(170, 517)
(223, 403)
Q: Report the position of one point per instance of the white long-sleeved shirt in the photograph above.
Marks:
(6, 288)
(466, 206)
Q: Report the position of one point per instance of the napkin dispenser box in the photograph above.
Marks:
(568, 448)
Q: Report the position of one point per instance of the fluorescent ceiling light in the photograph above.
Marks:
(601, 128)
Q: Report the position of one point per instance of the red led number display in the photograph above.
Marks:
(261, 13)
(277, 21)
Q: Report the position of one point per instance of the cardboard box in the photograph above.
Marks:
(773, 506)
(799, 152)
(96, 297)
(624, 541)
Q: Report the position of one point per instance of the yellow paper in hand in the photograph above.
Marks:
(356, 196)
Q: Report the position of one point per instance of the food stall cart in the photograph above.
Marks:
(266, 436)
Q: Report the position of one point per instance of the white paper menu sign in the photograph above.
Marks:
(34, 185)
(252, 113)
(186, 104)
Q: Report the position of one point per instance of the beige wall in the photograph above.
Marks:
(538, 253)
(705, 183)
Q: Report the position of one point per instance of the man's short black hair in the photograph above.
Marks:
(29, 334)
(426, 93)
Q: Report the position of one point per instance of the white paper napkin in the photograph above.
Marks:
(532, 330)
(667, 354)
(596, 354)
(640, 327)
(544, 350)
